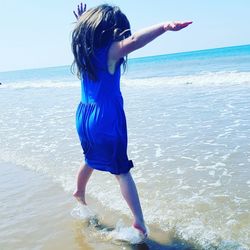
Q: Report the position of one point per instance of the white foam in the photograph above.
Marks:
(215, 184)
(41, 84)
(230, 245)
(127, 234)
(179, 171)
(158, 152)
(205, 78)
(211, 172)
(82, 212)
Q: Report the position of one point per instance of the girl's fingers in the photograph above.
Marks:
(183, 25)
(187, 23)
(75, 14)
(81, 8)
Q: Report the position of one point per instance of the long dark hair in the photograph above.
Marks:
(96, 28)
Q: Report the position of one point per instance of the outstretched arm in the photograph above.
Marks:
(141, 38)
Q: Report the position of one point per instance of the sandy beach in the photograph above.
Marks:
(36, 215)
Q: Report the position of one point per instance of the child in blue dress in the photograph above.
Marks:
(101, 42)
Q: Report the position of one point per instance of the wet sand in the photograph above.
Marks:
(36, 215)
(35, 212)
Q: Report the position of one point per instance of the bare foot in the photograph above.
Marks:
(141, 228)
(80, 198)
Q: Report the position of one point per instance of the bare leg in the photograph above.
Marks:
(130, 194)
(83, 176)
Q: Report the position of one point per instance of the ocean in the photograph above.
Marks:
(188, 118)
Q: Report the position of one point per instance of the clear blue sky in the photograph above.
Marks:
(36, 33)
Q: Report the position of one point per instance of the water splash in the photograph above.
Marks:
(123, 233)
(83, 212)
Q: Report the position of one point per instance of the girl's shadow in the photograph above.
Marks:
(154, 245)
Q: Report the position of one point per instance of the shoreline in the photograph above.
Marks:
(40, 217)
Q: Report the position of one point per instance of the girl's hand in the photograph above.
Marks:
(80, 10)
(176, 26)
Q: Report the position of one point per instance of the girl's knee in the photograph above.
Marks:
(117, 176)
(122, 176)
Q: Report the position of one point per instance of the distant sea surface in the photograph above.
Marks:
(188, 118)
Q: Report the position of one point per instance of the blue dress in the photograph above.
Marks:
(101, 121)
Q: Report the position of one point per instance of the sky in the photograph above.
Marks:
(37, 33)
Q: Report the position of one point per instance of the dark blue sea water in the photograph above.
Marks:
(195, 62)
(234, 59)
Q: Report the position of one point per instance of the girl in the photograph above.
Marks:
(101, 42)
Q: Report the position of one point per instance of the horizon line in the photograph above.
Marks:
(190, 51)
(140, 57)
